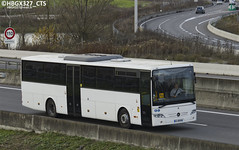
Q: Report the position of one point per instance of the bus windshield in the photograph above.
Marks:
(173, 86)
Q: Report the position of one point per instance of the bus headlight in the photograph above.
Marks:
(193, 111)
(158, 115)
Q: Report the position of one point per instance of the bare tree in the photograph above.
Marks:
(82, 19)
(23, 19)
(21, 22)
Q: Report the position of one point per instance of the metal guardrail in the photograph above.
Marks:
(10, 64)
(2, 75)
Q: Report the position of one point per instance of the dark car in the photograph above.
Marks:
(200, 10)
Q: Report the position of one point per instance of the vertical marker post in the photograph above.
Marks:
(135, 16)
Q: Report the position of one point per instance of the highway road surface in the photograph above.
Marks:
(211, 125)
(188, 24)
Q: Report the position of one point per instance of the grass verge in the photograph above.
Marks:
(229, 24)
(128, 3)
(49, 141)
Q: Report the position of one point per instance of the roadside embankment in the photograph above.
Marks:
(11, 120)
(221, 33)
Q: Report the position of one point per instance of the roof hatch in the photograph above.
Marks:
(92, 57)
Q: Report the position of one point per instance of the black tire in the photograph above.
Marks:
(124, 119)
(51, 108)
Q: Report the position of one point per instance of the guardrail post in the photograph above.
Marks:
(6, 65)
(17, 65)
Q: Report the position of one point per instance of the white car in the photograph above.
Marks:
(219, 2)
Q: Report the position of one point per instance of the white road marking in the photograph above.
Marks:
(197, 124)
(196, 28)
(215, 40)
(207, 20)
(181, 25)
(218, 113)
(9, 88)
(212, 112)
(149, 21)
(192, 18)
(163, 23)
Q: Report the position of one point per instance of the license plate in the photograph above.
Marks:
(178, 120)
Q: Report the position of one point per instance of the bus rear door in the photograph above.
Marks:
(73, 90)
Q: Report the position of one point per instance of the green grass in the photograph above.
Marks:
(128, 3)
(49, 141)
(229, 24)
(123, 3)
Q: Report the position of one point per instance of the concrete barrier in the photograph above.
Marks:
(11, 78)
(106, 133)
(218, 93)
(222, 33)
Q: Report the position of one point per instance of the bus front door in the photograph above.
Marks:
(145, 99)
(73, 90)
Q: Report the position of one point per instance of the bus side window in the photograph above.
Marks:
(89, 76)
(104, 78)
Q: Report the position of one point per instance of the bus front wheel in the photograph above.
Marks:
(124, 118)
(51, 108)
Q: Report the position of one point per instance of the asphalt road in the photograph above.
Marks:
(211, 125)
(188, 24)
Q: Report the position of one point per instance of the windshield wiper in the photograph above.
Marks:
(161, 106)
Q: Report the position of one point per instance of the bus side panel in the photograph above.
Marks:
(34, 95)
(102, 104)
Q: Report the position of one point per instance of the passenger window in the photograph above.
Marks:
(88, 76)
(105, 78)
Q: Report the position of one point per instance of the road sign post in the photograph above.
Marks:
(135, 16)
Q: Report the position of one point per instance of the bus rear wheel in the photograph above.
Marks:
(124, 119)
(51, 108)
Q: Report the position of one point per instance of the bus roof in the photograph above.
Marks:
(107, 61)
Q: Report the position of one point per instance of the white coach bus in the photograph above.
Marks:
(110, 87)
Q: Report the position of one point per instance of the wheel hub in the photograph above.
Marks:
(124, 118)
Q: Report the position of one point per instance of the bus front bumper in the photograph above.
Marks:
(173, 120)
